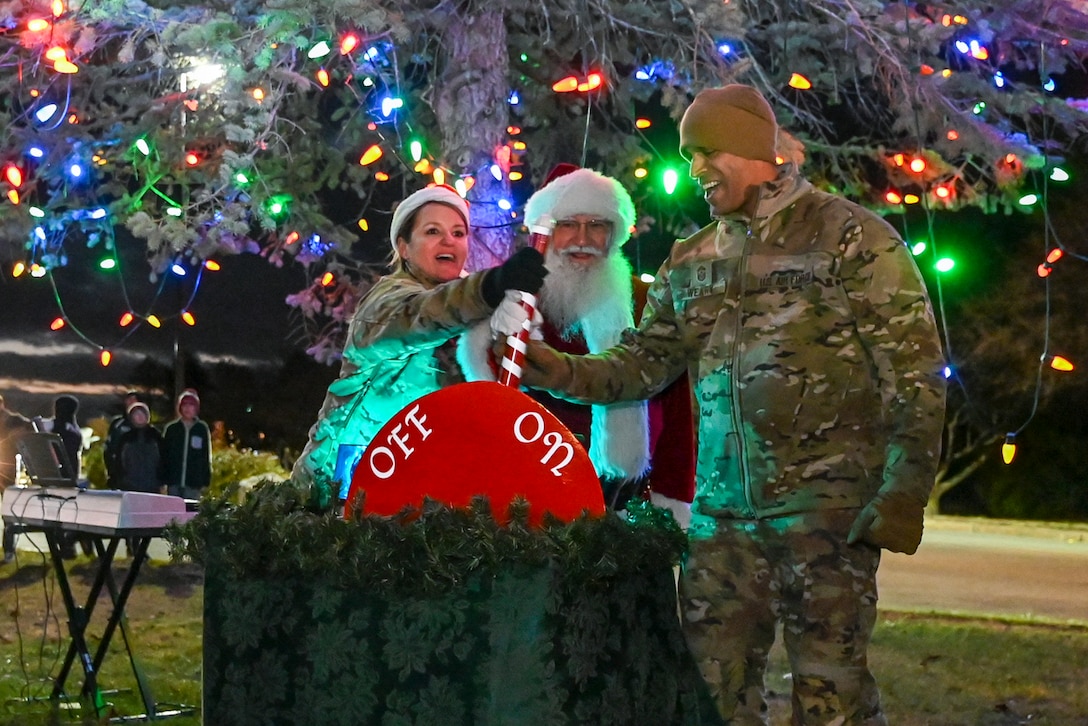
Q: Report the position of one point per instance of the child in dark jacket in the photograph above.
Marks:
(139, 454)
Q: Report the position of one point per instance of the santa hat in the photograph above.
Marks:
(191, 394)
(584, 191)
(440, 193)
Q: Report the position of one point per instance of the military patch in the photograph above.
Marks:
(702, 278)
(784, 280)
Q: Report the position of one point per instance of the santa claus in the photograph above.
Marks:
(589, 297)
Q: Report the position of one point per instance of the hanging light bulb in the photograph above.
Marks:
(65, 66)
(153, 321)
(1008, 449)
(566, 85)
(593, 82)
(799, 82)
(1059, 363)
(14, 175)
(105, 357)
(319, 50)
(348, 43)
(57, 324)
(371, 155)
(188, 318)
(126, 320)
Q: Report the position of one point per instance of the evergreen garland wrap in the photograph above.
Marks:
(445, 617)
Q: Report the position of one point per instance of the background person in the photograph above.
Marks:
(816, 365)
(64, 424)
(139, 456)
(400, 342)
(118, 427)
(588, 299)
(187, 450)
(12, 427)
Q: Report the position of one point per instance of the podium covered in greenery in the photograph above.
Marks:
(444, 618)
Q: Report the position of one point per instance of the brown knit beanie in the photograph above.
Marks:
(735, 119)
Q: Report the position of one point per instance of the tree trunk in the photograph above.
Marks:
(471, 107)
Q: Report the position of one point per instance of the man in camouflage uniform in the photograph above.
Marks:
(810, 341)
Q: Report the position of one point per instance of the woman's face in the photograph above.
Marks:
(437, 245)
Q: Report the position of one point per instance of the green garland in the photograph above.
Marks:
(443, 616)
(275, 533)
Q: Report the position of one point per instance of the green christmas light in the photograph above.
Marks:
(945, 264)
(1059, 174)
(278, 207)
(669, 180)
(917, 248)
(1028, 199)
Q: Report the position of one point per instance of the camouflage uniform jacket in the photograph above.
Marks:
(813, 353)
(391, 358)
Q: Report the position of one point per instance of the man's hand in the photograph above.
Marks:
(892, 521)
(511, 316)
(543, 367)
(524, 271)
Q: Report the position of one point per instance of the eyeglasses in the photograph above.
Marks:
(594, 227)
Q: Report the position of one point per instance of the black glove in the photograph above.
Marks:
(524, 271)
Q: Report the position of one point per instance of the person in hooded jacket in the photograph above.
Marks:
(187, 450)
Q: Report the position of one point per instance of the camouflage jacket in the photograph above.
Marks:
(813, 353)
(394, 354)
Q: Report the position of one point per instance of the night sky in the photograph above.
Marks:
(240, 311)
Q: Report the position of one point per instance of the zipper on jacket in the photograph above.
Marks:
(738, 423)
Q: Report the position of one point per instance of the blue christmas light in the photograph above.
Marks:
(46, 112)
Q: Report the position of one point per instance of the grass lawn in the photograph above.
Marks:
(933, 671)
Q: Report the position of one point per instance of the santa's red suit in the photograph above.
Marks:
(585, 309)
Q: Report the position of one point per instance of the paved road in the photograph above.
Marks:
(971, 566)
(964, 566)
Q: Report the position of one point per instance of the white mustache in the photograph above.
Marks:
(582, 250)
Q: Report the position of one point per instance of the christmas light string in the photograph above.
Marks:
(369, 56)
(1009, 446)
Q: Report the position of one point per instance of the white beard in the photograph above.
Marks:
(594, 300)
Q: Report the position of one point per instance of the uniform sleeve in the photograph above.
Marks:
(400, 316)
(645, 361)
(896, 325)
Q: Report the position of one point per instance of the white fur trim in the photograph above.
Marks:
(473, 349)
(585, 191)
(620, 436)
(681, 511)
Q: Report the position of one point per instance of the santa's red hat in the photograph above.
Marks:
(570, 190)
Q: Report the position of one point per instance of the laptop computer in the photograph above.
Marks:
(46, 461)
